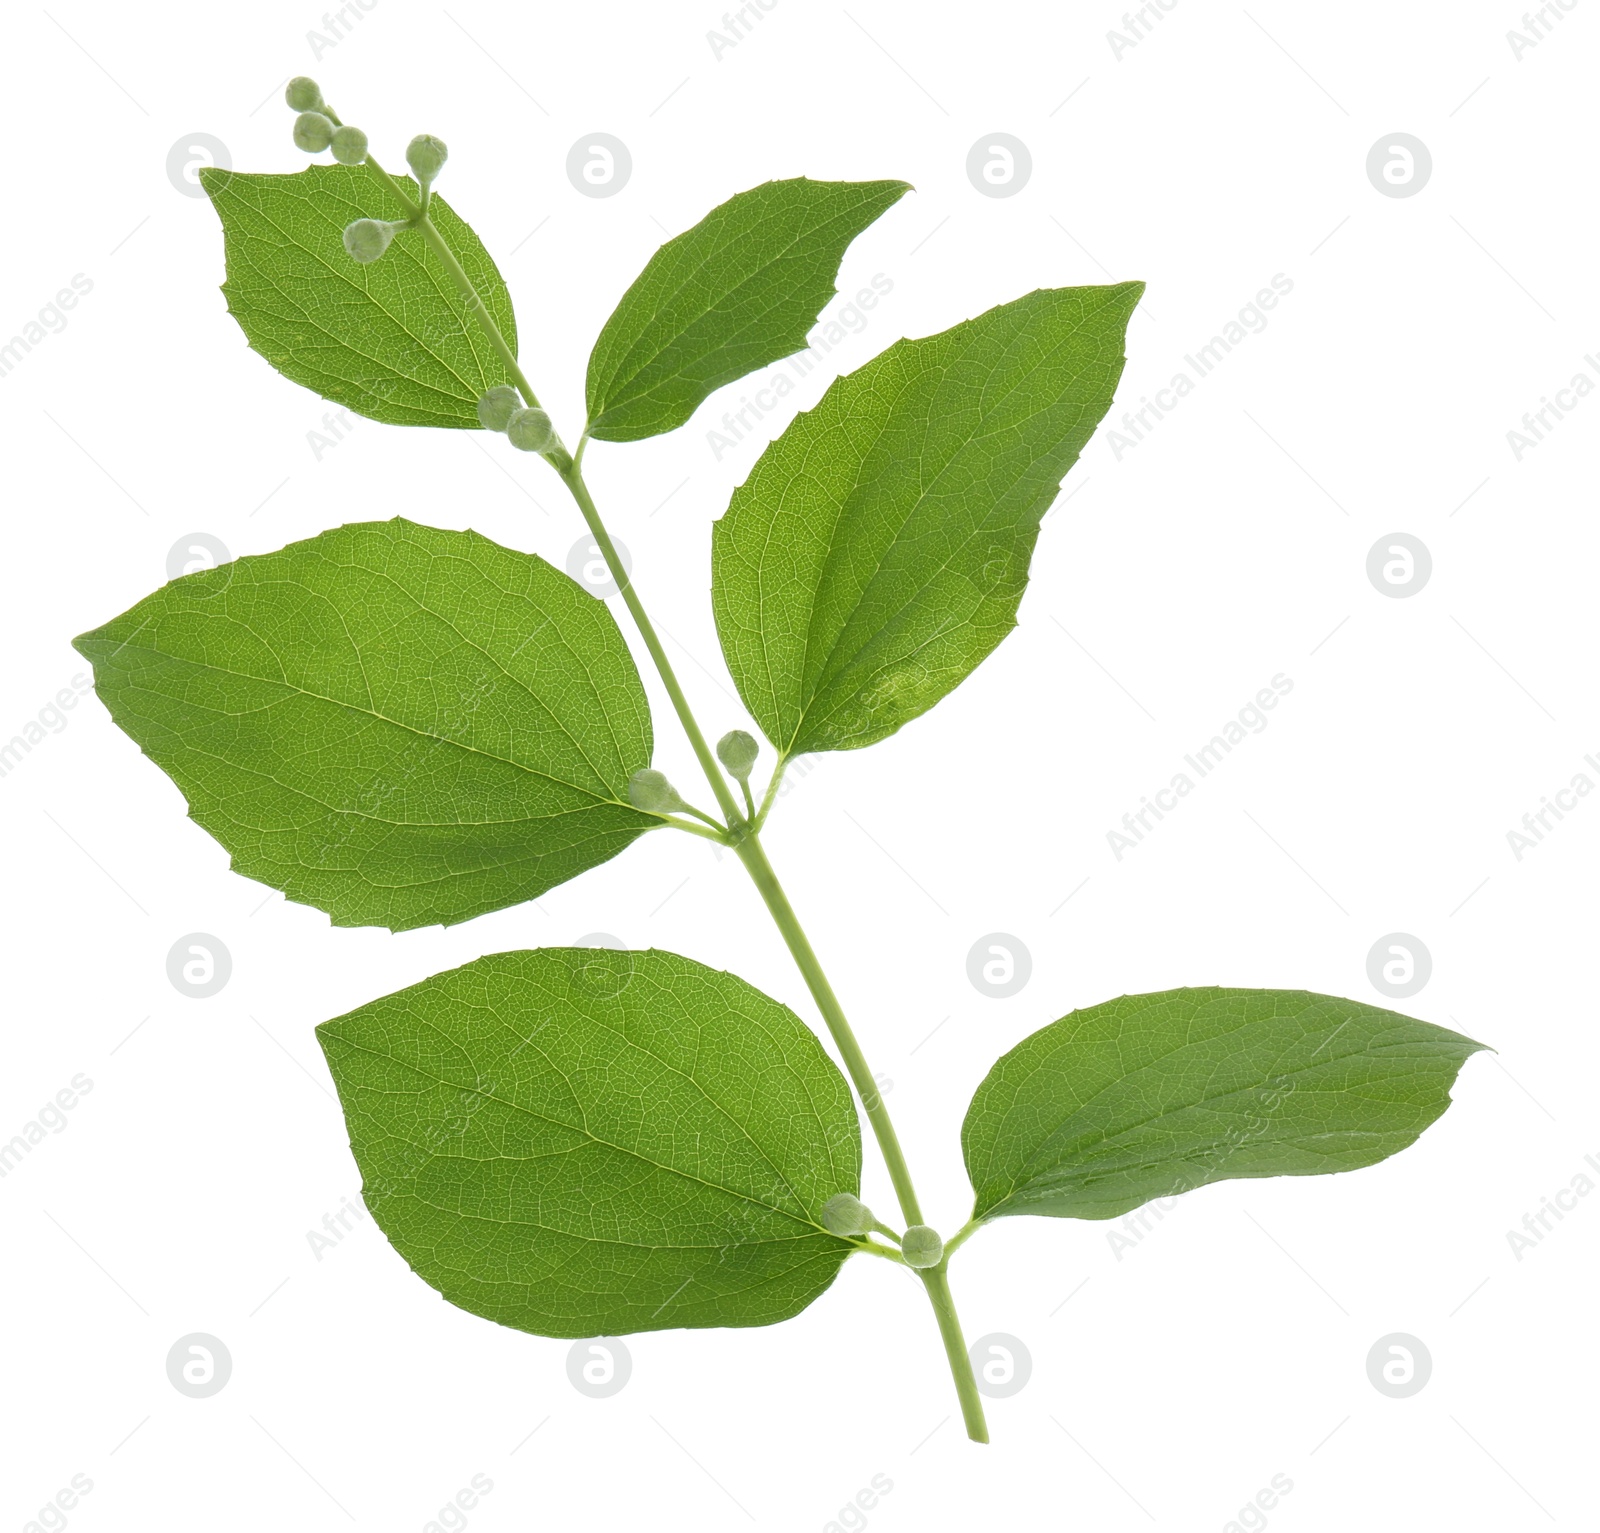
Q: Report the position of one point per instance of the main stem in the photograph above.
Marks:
(937, 1281)
(572, 477)
(753, 855)
(747, 846)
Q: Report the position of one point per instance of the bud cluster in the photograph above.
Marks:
(317, 128)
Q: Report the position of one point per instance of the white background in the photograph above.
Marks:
(1230, 1344)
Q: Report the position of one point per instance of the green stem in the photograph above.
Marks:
(937, 1282)
(571, 474)
(572, 477)
(754, 856)
(436, 242)
(748, 849)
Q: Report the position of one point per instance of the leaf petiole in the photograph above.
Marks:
(715, 833)
(770, 796)
(700, 814)
(887, 1252)
(965, 1233)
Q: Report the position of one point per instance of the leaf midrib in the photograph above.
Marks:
(583, 1129)
(1032, 1165)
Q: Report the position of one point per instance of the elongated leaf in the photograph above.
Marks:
(1152, 1095)
(398, 725)
(580, 1142)
(735, 292)
(880, 546)
(391, 340)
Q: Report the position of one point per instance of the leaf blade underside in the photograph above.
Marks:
(581, 1142)
(1148, 1096)
(396, 724)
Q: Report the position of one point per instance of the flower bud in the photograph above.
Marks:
(313, 132)
(845, 1215)
(497, 407)
(426, 155)
(530, 430)
(737, 750)
(367, 239)
(349, 145)
(650, 791)
(303, 94)
(921, 1246)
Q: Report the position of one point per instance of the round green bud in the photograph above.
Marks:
(367, 239)
(313, 132)
(303, 94)
(737, 750)
(426, 155)
(921, 1246)
(530, 430)
(845, 1215)
(349, 145)
(497, 407)
(650, 791)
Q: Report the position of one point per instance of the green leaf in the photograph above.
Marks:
(879, 548)
(737, 291)
(398, 725)
(1148, 1096)
(580, 1142)
(392, 340)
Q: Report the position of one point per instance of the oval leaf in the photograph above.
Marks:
(737, 291)
(1148, 1096)
(880, 546)
(398, 725)
(391, 340)
(580, 1142)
